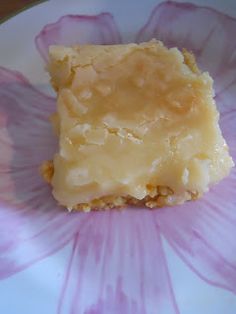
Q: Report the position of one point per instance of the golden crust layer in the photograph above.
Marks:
(159, 196)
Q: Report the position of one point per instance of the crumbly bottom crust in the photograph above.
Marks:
(159, 196)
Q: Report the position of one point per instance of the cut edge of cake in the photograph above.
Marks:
(159, 196)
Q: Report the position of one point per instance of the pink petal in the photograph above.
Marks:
(78, 29)
(208, 33)
(117, 265)
(203, 235)
(32, 226)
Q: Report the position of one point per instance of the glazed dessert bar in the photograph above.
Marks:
(137, 124)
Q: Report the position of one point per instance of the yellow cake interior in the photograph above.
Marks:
(136, 124)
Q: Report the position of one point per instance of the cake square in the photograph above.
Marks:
(137, 124)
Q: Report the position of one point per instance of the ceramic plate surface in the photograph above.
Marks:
(167, 261)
